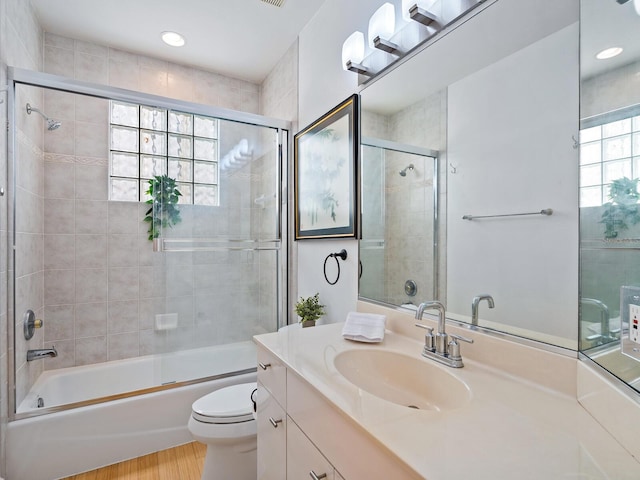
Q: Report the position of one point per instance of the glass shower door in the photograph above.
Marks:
(220, 262)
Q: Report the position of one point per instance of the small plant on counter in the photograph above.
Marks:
(164, 211)
(309, 310)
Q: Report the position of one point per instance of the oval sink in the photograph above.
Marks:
(403, 380)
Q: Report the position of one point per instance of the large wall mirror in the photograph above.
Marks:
(609, 177)
(493, 107)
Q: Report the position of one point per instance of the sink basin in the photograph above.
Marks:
(403, 380)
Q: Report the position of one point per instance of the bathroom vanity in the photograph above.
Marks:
(417, 419)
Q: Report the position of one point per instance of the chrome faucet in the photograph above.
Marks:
(438, 347)
(41, 353)
(474, 306)
(607, 334)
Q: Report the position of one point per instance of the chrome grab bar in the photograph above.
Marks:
(546, 211)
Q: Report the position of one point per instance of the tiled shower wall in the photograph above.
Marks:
(20, 46)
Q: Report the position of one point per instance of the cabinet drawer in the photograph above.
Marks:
(303, 457)
(272, 437)
(272, 374)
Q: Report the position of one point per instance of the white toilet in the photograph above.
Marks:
(223, 420)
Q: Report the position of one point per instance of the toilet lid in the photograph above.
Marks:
(228, 405)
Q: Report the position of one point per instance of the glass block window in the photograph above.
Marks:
(607, 152)
(148, 141)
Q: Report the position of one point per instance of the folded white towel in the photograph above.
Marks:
(364, 327)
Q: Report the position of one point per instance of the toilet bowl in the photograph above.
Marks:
(223, 420)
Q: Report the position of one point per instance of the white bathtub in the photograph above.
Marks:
(71, 441)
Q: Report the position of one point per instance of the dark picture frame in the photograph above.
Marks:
(325, 167)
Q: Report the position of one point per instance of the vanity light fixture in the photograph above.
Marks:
(173, 39)
(418, 11)
(381, 27)
(353, 54)
(609, 53)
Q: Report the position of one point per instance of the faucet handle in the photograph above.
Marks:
(429, 342)
(454, 347)
(460, 337)
(427, 328)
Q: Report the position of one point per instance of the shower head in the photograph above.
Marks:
(403, 172)
(51, 123)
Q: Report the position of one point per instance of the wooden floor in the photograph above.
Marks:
(180, 463)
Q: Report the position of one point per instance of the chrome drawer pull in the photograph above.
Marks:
(264, 366)
(274, 422)
(315, 476)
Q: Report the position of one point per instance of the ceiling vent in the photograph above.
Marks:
(275, 3)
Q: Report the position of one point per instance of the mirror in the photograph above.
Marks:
(496, 100)
(609, 176)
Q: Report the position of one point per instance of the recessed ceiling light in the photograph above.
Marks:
(608, 53)
(173, 39)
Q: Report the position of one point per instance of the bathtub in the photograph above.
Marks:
(124, 409)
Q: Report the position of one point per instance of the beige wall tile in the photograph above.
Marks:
(59, 180)
(123, 250)
(91, 350)
(124, 345)
(92, 141)
(123, 284)
(91, 285)
(91, 251)
(91, 182)
(59, 322)
(90, 319)
(58, 61)
(123, 316)
(59, 287)
(123, 217)
(91, 216)
(59, 216)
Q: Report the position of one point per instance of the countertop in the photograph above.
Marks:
(511, 427)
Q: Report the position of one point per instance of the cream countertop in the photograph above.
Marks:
(511, 428)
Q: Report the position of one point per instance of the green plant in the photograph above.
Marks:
(164, 211)
(622, 208)
(309, 309)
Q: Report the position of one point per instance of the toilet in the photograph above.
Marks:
(223, 420)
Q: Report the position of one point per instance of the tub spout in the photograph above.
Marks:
(41, 353)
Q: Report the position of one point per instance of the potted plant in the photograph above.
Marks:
(622, 207)
(309, 310)
(164, 211)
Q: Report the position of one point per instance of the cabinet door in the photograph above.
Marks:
(303, 459)
(272, 437)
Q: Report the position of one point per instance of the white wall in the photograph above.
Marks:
(322, 85)
(510, 130)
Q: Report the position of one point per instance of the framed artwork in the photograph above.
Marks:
(325, 174)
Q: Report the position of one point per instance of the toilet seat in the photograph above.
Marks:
(227, 405)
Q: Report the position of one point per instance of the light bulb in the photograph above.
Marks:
(353, 49)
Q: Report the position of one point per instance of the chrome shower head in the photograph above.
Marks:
(51, 123)
(403, 172)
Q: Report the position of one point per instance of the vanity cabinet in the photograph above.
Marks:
(299, 432)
